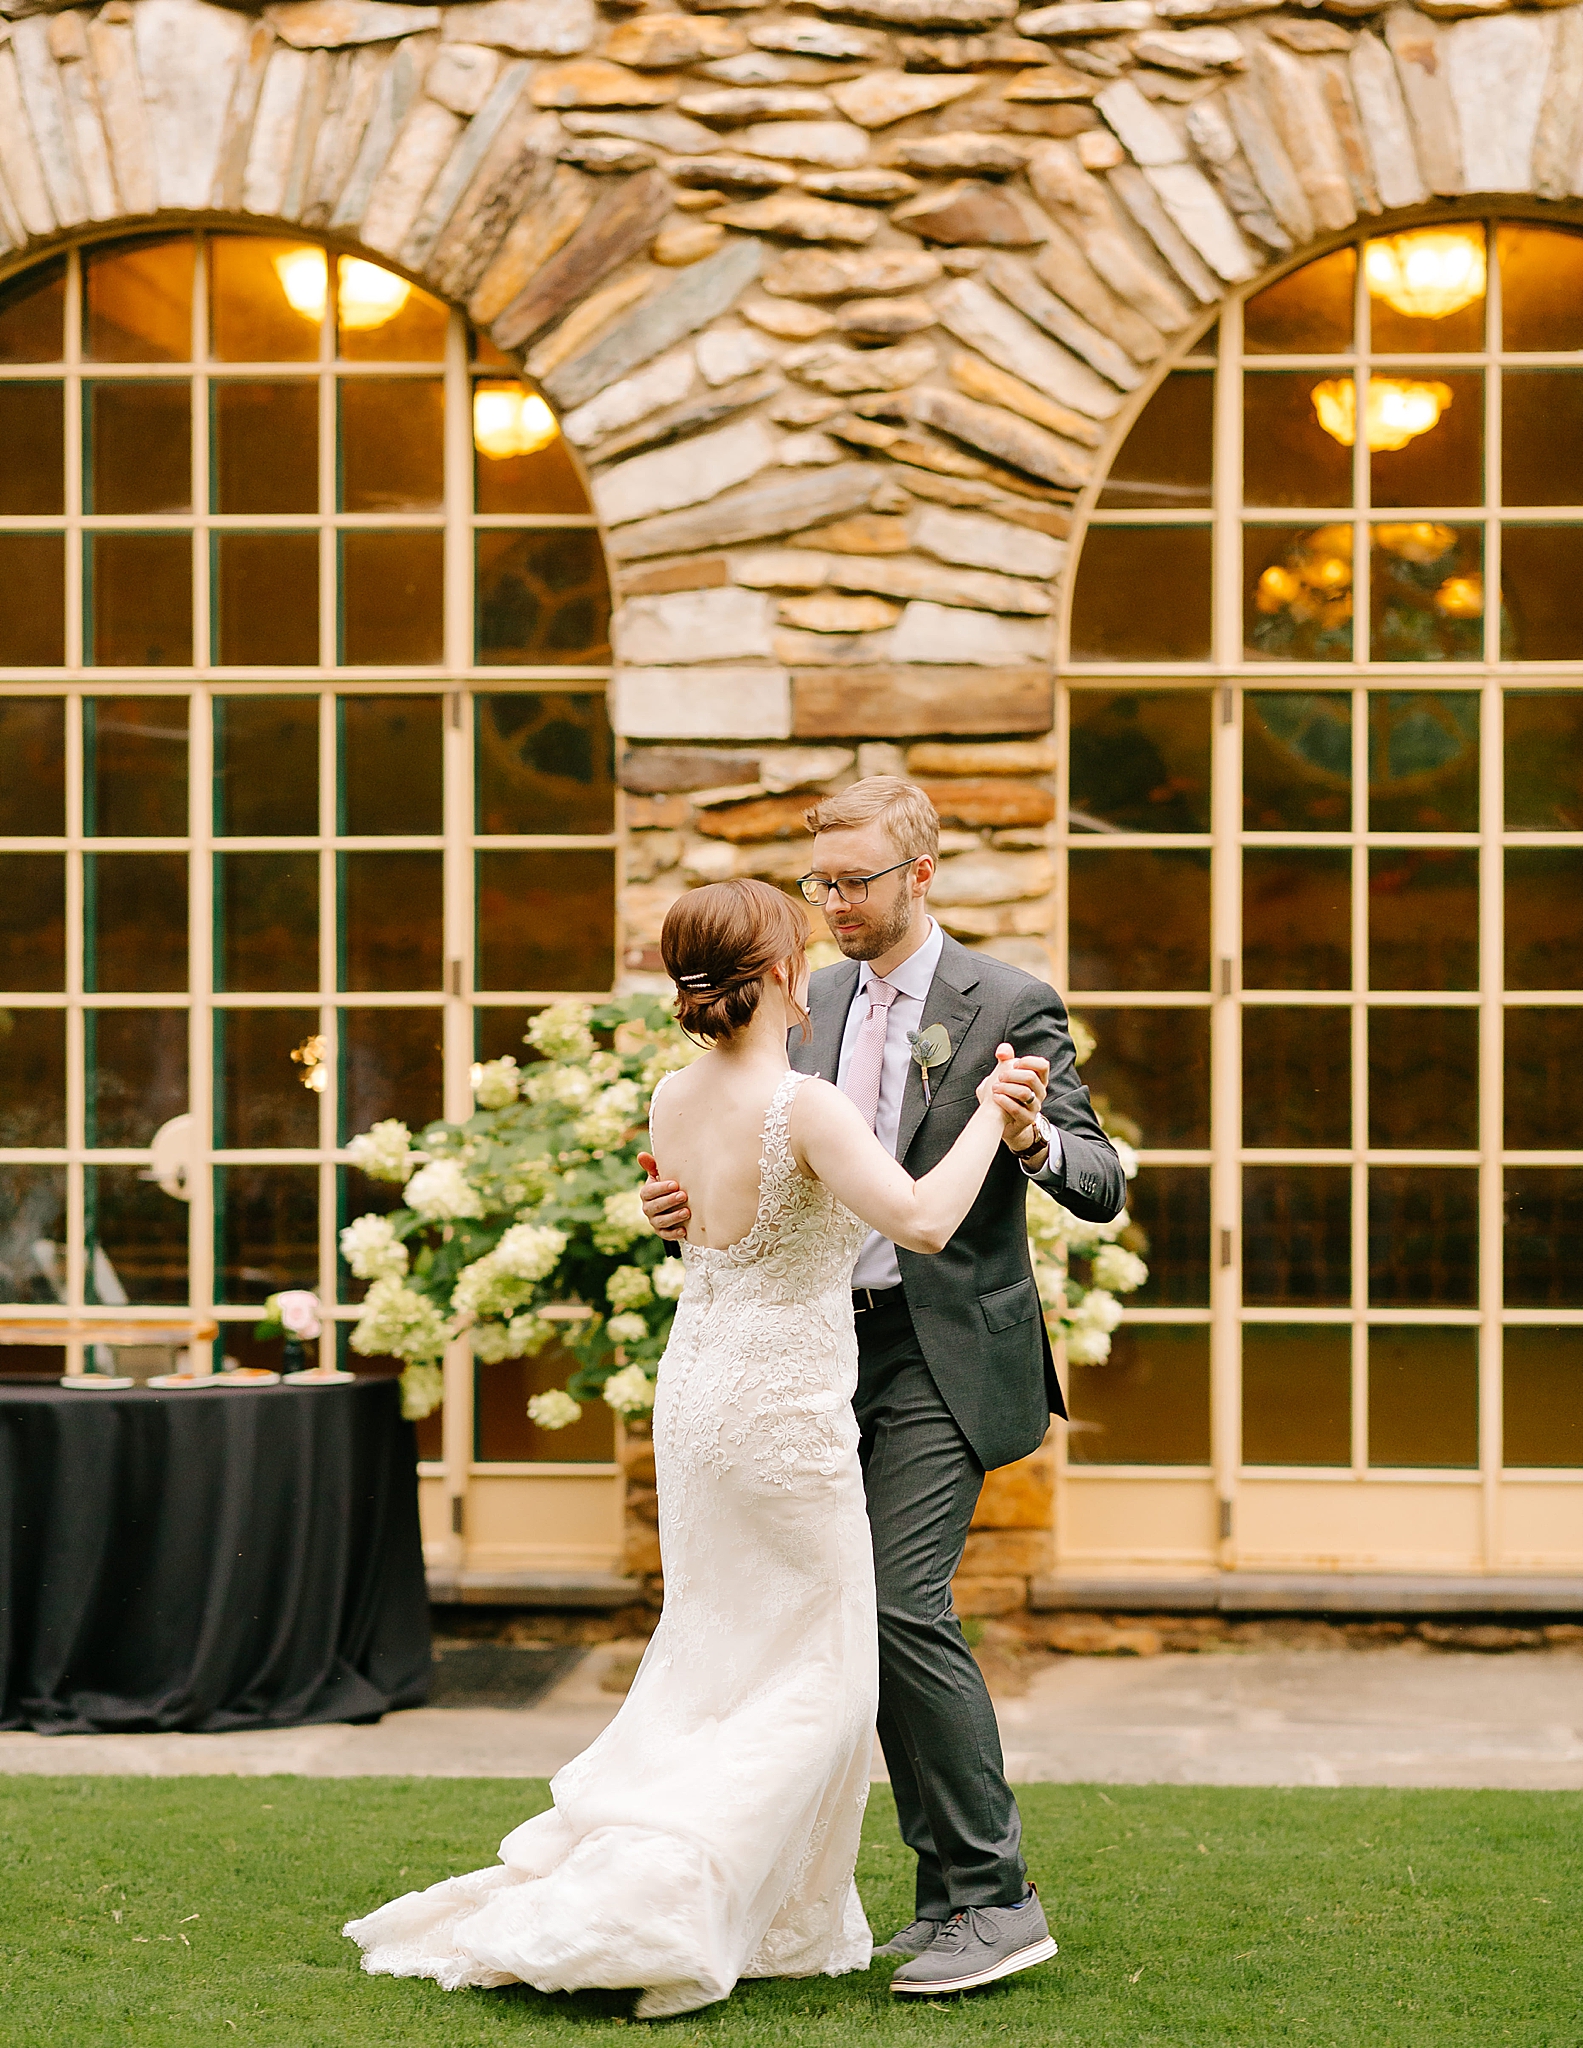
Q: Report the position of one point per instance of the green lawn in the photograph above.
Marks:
(178, 1912)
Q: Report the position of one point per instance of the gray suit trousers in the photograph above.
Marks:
(936, 1725)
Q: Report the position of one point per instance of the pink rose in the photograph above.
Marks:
(299, 1314)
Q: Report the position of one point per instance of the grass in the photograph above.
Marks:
(171, 1913)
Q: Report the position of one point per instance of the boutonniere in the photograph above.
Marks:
(930, 1048)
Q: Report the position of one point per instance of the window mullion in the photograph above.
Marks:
(200, 1014)
(1360, 1080)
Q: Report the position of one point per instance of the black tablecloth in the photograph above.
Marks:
(242, 1558)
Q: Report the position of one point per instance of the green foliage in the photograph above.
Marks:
(1188, 1917)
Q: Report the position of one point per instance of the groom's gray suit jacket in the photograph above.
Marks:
(974, 1306)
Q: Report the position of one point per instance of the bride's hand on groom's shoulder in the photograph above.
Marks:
(664, 1201)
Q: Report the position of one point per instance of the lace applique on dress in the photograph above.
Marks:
(711, 1832)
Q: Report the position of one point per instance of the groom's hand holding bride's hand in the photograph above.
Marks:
(664, 1201)
(1017, 1088)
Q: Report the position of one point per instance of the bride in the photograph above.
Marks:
(711, 1831)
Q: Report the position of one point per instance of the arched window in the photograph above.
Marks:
(306, 780)
(1322, 705)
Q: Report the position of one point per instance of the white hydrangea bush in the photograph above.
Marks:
(1082, 1269)
(523, 1226)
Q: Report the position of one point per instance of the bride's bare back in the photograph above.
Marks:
(707, 1128)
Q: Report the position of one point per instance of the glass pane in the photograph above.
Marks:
(1424, 1080)
(1147, 1405)
(543, 479)
(267, 599)
(139, 447)
(1296, 917)
(136, 1068)
(266, 1228)
(1426, 597)
(1541, 436)
(1542, 1421)
(1296, 761)
(1544, 1057)
(1296, 1076)
(1542, 579)
(266, 920)
(1138, 919)
(262, 1096)
(392, 1064)
(386, 320)
(266, 298)
(32, 1077)
(1442, 463)
(502, 1432)
(1170, 1204)
(1167, 460)
(1423, 1397)
(392, 920)
(392, 598)
(1150, 1073)
(544, 763)
(266, 446)
(136, 1238)
(1207, 346)
(1296, 1394)
(135, 767)
(1544, 1227)
(543, 597)
(1423, 761)
(33, 620)
(137, 302)
(392, 444)
(499, 1030)
(1423, 919)
(266, 765)
(32, 921)
(1544, 939)
(33, 435)
(33, 1233)
(1541, 287)
(1143, 594)
(546, 920)
(1308, 313)
(1288, 457)
(33, 315)
(1544, 760)
(32, 766)
(1297, 593)
(1426, 290)
(1296, 1236)
(357, 1195)
(391, 771)
(1140, 760)
(140, 587)
(134, 921)
(1423, 1237)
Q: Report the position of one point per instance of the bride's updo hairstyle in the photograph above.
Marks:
(720, 943)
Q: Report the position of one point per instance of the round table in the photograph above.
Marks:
(205, 1559)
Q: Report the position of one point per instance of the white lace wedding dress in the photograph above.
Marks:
(710, 1832)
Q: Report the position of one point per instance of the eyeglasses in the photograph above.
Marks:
(850, 888)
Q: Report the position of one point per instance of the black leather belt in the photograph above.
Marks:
(866, 1298)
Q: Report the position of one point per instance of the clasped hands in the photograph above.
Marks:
(1016, 1088)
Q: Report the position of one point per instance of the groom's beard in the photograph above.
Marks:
(869, 940)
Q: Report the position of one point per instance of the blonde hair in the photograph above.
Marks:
(911, 822)
(720, 943)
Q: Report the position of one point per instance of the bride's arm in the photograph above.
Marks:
(831, 1140)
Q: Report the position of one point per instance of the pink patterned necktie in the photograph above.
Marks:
(868, 1052)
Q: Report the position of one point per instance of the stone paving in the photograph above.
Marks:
(1404, 1715)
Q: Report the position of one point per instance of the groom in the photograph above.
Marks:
(954, 1368)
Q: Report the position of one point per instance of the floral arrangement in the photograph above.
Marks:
(523, 1224)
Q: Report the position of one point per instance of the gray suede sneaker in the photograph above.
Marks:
(912, 1940)
(978, 1946)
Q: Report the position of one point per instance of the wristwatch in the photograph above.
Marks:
(1042, 1148)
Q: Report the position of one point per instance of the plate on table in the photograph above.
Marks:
(243, 1376)
(319, 1376)
(112, 1382)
